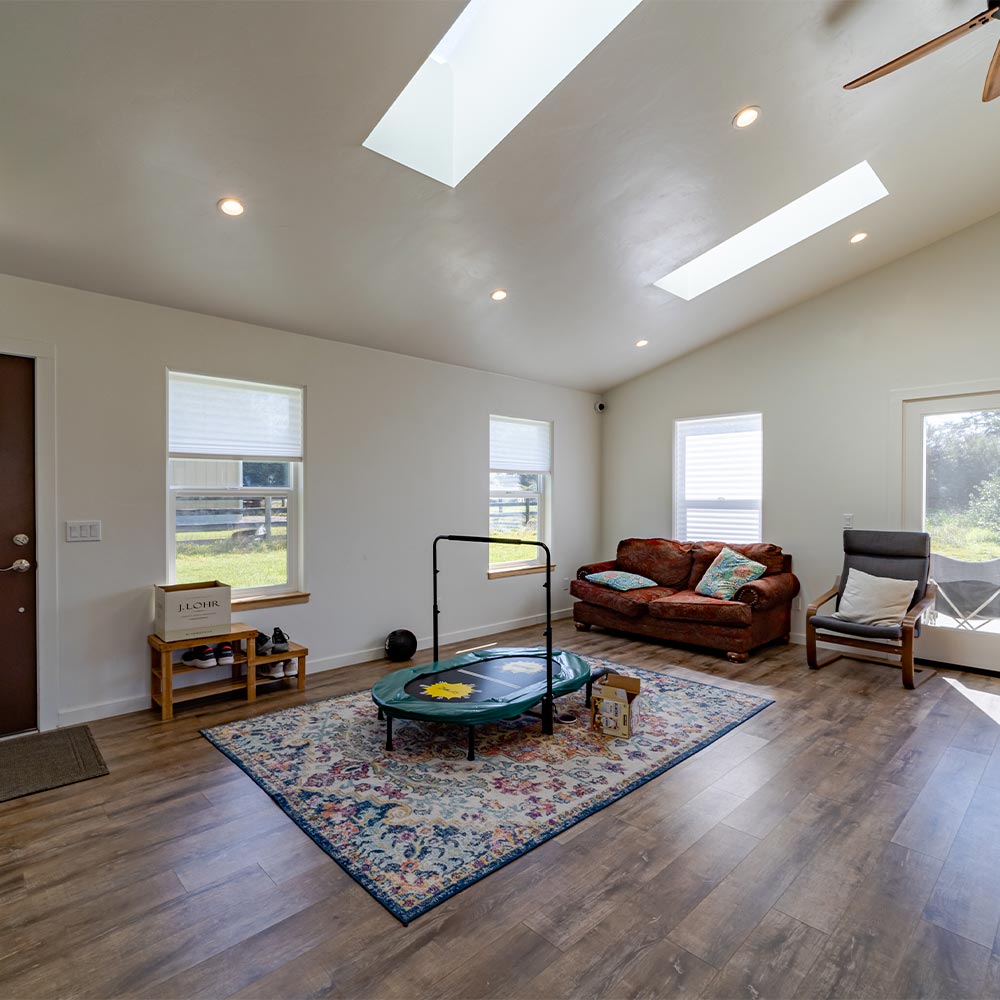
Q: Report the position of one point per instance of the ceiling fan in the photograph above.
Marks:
(992, 88)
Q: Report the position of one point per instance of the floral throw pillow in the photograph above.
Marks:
(617, 580)
(728, 572)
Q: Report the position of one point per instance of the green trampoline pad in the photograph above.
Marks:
(480, 686)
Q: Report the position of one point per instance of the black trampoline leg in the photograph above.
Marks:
(590, 691)
(381, 716)
(548, 716)
(388, 732)
(471, 755)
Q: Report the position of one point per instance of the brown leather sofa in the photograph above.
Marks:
(760, 612)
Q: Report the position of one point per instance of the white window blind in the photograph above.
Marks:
(717, 479)
(520, 445)
(224, 418)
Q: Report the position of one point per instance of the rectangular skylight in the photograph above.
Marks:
(846, 194)
(497, 62)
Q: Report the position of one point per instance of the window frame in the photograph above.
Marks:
(681, 505)
(293, 494)
(542, 494)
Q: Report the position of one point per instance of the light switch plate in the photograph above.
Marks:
(848, 520)
(83, 531)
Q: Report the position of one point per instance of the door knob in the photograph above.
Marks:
(21, 539)
(17, 566)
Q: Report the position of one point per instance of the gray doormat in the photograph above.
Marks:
(41, 761)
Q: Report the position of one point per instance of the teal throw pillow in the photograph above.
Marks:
(617, 580)
(728, 572)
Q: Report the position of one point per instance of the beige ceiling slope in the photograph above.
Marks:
(121, 124)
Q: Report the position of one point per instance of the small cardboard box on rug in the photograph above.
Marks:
(615, 703)
(192, 610)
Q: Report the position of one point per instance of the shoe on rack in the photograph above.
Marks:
(279, 642)
(270, 672)
(262, 644)
(224, 655)
(200, 656)
(291, 668)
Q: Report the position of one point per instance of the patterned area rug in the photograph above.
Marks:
(420, 824)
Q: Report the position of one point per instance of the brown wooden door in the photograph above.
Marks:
(18, 684)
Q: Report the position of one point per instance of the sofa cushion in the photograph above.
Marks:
(661, 559)
(687, 606)
(704, 554)
(632, 603)
(728, 572)
(617, 580)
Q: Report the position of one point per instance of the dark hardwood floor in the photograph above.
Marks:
(845, 842)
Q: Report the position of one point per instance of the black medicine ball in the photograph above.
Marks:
(400, 645)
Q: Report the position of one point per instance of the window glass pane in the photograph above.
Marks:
(962, 514)
(242, 541)
(197, 473)
(717, 478)
(266, 474)
(514, 517)
(515, 481)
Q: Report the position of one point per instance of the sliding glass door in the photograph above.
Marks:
(951, 471)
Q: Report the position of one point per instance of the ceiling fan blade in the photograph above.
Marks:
(922, 50)
(992, 89)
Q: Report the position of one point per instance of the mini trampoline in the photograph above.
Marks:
(487, 685)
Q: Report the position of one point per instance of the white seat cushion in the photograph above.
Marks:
(874, 600)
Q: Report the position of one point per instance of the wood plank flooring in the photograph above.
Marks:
(843, 843)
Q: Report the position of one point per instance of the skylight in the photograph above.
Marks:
(838, 198)
(497, 62)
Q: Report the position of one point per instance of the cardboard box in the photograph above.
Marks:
(192, 610)
(615, 704)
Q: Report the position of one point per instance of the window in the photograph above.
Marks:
(717, 478)
(520, 484)
(234, 484)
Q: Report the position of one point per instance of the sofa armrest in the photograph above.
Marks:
(768, 591)
(602, 567)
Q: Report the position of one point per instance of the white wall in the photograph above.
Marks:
(822, 374)
(397, 452)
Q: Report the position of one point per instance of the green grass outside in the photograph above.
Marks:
(500, 553)
(958, 536)
(260, 564)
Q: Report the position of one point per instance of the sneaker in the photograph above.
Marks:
(263, 644)
(279, 642)
(271, 672)
(224, 655)
(200, 656)
(291, 668)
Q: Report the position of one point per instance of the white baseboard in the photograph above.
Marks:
(137, 703)
(102, 710)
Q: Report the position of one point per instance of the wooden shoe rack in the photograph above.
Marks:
(163, 668)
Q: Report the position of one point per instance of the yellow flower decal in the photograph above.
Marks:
(446, 689)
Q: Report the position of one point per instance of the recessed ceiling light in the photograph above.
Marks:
(745, 117)
(230, 206)
(641, 343)
(858, 237)
(837, 199)
(497, 62)
(499, 295)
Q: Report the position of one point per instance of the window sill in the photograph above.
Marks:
(269, 601)
(502, 574)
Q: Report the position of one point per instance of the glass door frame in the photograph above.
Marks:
(907, 486)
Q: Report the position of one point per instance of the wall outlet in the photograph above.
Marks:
(566, 583)
(83, 531)
(797, 604)
(848, 520)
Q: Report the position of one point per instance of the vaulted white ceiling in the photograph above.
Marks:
(121, 124)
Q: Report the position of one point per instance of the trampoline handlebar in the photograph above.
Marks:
(547, 711)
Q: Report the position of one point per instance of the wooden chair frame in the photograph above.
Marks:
(903, 648)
